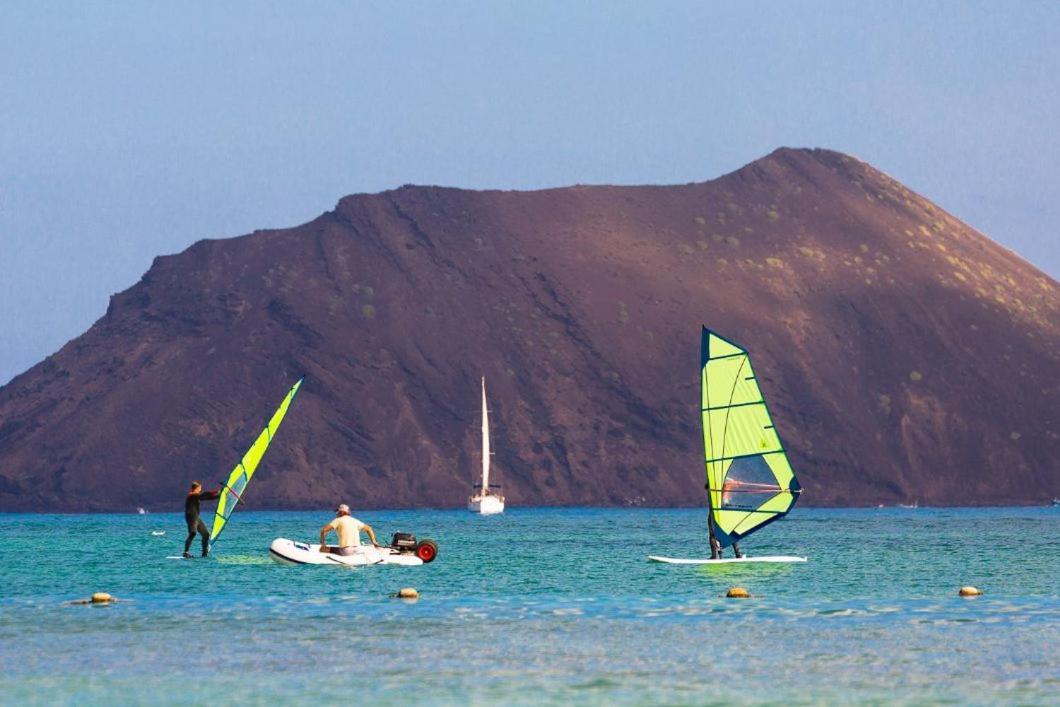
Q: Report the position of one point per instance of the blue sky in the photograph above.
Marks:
(129, 130)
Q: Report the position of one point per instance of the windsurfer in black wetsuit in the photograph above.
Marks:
(191, 515)
(715, 546)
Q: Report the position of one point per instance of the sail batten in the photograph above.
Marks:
(736, 405)
(244, 470)
(749, 480)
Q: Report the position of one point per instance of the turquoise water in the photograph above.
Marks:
(539, 605)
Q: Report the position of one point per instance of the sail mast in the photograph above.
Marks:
(485, 441)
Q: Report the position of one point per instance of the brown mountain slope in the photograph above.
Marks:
(905, 356)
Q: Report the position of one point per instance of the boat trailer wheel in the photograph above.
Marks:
(427, 550)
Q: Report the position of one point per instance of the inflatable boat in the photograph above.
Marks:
(403, 550)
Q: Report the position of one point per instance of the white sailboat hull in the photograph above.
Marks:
(727, 560)
(486, 505)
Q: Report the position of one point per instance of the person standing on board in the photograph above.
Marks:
(715, 546)
(348, 529)
(191, 515)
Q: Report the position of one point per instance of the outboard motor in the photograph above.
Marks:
(404, 542)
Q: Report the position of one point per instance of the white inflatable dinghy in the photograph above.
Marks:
(292, 552)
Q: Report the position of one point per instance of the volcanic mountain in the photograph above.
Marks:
(904, 355)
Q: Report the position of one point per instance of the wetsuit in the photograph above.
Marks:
(715, 546)
(195, 524)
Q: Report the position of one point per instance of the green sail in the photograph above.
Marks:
(749, 480)
(240, 476)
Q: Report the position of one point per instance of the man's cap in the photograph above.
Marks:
(343, 508)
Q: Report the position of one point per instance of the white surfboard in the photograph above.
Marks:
(727, 560)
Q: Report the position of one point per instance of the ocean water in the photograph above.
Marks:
(538, 606)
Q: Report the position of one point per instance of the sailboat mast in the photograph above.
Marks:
(485, 442)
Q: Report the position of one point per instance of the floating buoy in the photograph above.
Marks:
(737, 593)
(407, 593)
(97, 598)
(968, 592)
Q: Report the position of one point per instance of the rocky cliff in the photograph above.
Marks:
(905, 356)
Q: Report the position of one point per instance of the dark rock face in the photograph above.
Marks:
(904, 355)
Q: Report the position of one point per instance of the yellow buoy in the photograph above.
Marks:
(968, 592)
(97, 598)
(737, 593)
(407, 593)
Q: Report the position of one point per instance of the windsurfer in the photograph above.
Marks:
(191, 515)
(715, 546)
(348, 529)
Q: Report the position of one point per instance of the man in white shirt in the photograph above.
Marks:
(348, 529)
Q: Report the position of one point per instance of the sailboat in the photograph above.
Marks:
(750, 482)
(485, 500)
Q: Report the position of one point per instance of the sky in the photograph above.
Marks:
(130, 130)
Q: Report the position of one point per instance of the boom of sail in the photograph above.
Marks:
(237, 482)
(749, 480)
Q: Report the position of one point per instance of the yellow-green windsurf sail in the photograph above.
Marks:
(749, 480)
(240, 476)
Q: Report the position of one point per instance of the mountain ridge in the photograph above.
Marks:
(861, 302)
